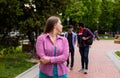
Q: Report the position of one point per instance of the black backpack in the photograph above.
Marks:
(89, 41)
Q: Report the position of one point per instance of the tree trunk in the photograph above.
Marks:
(31, 38)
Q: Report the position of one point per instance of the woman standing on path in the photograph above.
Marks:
(52, 50)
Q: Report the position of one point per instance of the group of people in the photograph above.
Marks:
(54, 51)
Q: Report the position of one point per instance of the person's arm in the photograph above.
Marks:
(39, 47)
(61, 58)
(90, 34)
(40, 51)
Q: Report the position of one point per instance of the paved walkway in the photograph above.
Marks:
(100, 65)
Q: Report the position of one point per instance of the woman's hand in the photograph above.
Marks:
(44, 60)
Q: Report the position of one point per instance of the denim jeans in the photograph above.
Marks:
(84, 51)
(71, 51)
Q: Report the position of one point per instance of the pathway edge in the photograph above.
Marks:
(115, 59)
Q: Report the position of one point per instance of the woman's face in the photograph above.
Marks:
(58, 26)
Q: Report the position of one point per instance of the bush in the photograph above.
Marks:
(117, 53)
(14, 64)
(10, 50)
(117, 39)
(9, 41)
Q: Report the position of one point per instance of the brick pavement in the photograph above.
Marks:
(100, 65)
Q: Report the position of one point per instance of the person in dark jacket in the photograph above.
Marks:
(83, 35)
(96, 35)
(71, 37)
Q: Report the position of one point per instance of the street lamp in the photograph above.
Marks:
(97, 24)
(107, 27)
(68, 19)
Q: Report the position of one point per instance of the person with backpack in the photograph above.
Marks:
(85, 39)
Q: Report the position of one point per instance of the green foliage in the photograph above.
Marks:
(117, 39)
(13, 65)
(117, 53)
(109, 38)
(9, 11)
(87, 11)
(10, 50)
(13, 61)
(91, 11)
(14, 15)
(46, 8)
(9, 41)
(74, 11)
(106, 17)
(116, 15)
(33, 21)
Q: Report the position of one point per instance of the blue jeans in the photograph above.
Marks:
(84, 51)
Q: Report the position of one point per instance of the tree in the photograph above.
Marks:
(87, 11)
(106, 17)
(46, 8)
(33, 21)
(9, 10)
(92, 13)
(9, 13)
(116, 16)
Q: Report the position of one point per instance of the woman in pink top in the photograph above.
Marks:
(52, 50)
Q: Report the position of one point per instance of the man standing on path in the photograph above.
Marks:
(84, 35)
(72, 37)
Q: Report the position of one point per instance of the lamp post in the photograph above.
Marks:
(108, 28)
(68, 19)
(97, 25)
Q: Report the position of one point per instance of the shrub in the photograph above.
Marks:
(10, 50)
(14, 64)
(117, 53)
(9, 41)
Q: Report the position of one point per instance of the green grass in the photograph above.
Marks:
(13, 65)
(107, 38)
(117, 53)
(117, 39)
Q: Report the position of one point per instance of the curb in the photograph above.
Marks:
(115, 59)
(30, 73)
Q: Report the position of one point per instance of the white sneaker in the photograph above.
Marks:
(81, 70)
(85, 71)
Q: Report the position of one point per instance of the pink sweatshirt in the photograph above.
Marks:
(44, 47)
